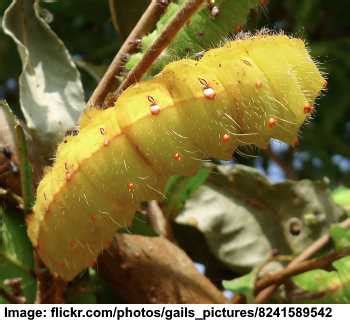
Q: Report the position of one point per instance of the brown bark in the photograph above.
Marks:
(153, 270)
(146, 23)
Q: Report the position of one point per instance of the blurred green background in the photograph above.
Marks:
(93, 36)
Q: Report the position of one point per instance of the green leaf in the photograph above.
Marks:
(322, 286)
(341, 196)
(140, 226)
(82, 290)
(340, 236)
(243, 216)
(51, 93)
(243, 285)
(90, 288)
(179, 189)
(25, 169)
(16, 252)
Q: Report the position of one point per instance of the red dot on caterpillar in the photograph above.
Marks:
(272, 122)
(68, 176)
(226, 137)
(93, 217)
(308, 108)
(155, 108)
(73, 244)
(258, 84)
(208, 91)
(105, 142)
(177, 156)
(131, 186)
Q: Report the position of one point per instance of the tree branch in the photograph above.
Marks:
(153, 270)
(265, 293)
(144, 25)
(160, 43)
(304, 266)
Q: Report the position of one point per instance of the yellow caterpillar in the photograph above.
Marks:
(246, 92)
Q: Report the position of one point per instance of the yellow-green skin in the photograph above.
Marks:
(246, 92)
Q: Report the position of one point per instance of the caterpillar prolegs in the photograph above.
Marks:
(246, 92)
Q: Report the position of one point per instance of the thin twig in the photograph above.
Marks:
(158, 220)
(112, 10)
(317, 245)
(143, 26)
(265, 294)
(160, 43)
(279, 277)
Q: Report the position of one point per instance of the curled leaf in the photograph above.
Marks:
(244, 216)
(51, 93)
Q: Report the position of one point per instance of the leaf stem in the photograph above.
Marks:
(25, 169)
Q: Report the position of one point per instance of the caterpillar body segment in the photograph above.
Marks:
(246, 92)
